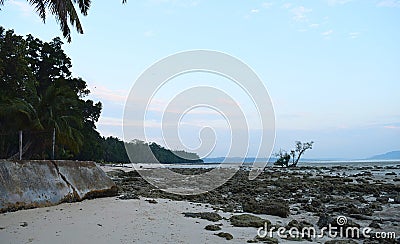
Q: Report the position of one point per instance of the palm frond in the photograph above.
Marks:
(84, 5)
(40, 7)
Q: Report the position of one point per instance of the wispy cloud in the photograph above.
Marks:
(354, 35)
(338, 2)
(107, 94)
(149, 33)
(287, 5)
(392, 127)
(255, 11)
(23, 6)
(267, 4)
(314, 25)
(180, 3)
(327, 33)
(389, 3)
(300, 13)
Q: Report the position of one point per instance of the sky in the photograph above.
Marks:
(331, 67)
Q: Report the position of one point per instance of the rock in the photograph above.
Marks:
(24, 224)
(214, 217)
(128, 196)
(268, 240)
(275, 208)
(390, 173)
(298, 225)
(375, 225)
(382, 241)
(152, 201)
(225, 235)
(341, 242)
(360, 217)
(39, 183)
(248, 220)
(252, 241)
(397, 199)
(316, 203)
(375, 206)
(212, 227)
(326, 220)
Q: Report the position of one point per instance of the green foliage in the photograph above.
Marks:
(284, 158)
(39, 95)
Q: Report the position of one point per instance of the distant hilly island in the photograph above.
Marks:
(394, 155)
(387, 156)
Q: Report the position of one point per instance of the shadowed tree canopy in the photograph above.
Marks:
(64, 12)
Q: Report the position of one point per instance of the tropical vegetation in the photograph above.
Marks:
(40, 97)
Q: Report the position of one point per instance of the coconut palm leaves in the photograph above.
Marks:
(64, 12)
(59, 109)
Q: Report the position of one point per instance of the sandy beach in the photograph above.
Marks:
(109, 220)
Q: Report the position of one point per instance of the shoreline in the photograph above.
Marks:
(144, 214)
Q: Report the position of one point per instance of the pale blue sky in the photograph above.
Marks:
(332, 67)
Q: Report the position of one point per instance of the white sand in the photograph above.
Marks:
(108, 220)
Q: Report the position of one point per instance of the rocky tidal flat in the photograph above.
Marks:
(292, 197)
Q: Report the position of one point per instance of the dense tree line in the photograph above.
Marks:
(142, 152)
(39, 96)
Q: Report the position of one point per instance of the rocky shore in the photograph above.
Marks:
(292, 197)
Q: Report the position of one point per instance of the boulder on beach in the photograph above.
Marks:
(39, 183)
(248, 220)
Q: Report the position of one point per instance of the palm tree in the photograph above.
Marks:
(59, 110)
(16, 114)
(64, 11)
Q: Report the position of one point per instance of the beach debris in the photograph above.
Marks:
(225, 235)
(214, 217)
